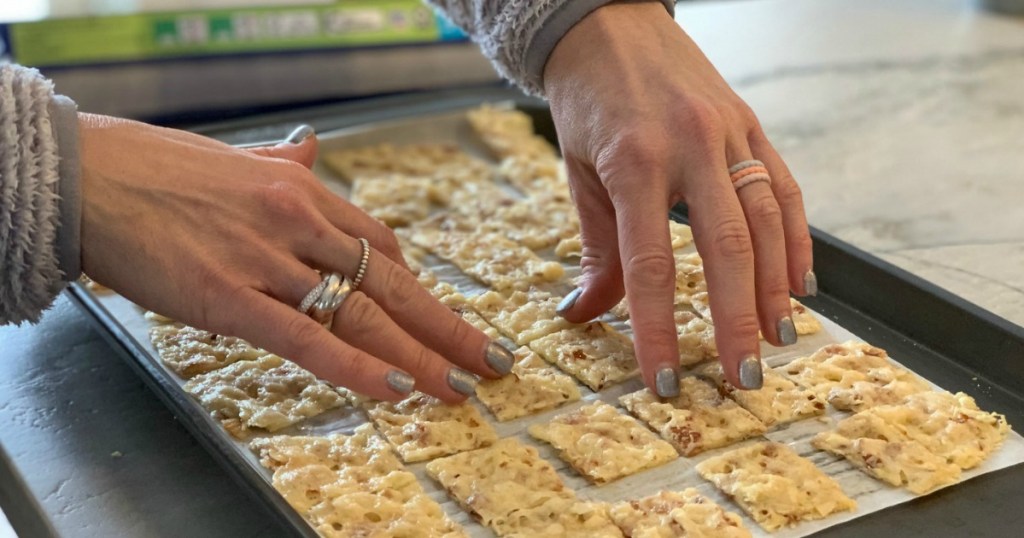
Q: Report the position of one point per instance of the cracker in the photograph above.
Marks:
(511, 489)
(522, 316)
(352, 485)
(594, 353)
(603, 444)
(532, 387)
(690, 283)
(669, 514)
(508, 132)
(888, 454)
(538, 222)
(699, 419)
(190, 351)
(421, 427)
(804, 321)
(680, 234)
(778, 401)
(696, 338)
(396, 200)
(438, 160)
(268, 393)
(535, 175)
(774, 485)
(570, 247)
(949, 425)
(491, 258)
(854, 376)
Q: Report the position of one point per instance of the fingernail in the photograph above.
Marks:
(810, 283)
(400, 382)
(568, 301)
(667, 383)
(786, 331)
(499, 359)
(300, 134)
(462, 381)
(750, 373)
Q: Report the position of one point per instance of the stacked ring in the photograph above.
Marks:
(747, 172)
(361, 272)
(326, 298)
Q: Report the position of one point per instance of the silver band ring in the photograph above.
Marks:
(336, 290)
(312, 296)
(361, 272)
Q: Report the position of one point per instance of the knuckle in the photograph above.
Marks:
(362, 312)
(401, 287)
(421, 361)
(776, 287)
(283, 199)
(703, 118)
(766, 211)
(788, 192)
(731, 239)
(653, 266)
(802, 241)
(302, 334)
(745, 323)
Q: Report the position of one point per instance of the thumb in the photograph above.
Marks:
(600, 286)
(300, 146)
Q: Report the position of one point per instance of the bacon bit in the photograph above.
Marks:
(578, 354)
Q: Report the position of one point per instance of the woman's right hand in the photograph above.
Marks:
(231, 241)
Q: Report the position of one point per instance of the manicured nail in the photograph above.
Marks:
(301, 133)
(499, 359)
(750, 373)
(462, 381)
(786, 331)
(667, 383)
(568, 301)
(400, 382)
(810, 283)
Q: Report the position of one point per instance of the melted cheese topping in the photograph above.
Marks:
(778, 401)
(854, 376)
(522, 316)
(422, 427)
(670, 514)
(696, 338)
(267, 393)
(803, 320)
(698, 419)
(534, 175)
(532, 387)
(433, 160)
(190, 351)
(884, 452)
(397, 200)
(491, 258)
(603, 444)
(681, 235)
(774, 485)
(508, 133)
(570, 247)
(595, 353)
(352, 485)
(512, 490)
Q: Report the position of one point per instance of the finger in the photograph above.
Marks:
(764, 220)
(281, 329)
(355, 222)
(723, 241)
(361, 323)
(411, 306)
(300, 146)
(799, 255)
(600, 287)
(649, 276)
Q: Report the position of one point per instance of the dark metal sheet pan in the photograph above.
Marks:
(953, 343)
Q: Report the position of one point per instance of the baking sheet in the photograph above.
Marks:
(870, 494)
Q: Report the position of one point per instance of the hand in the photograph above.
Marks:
(229, 240)
(644, 122)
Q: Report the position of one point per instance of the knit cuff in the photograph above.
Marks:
(557, 24)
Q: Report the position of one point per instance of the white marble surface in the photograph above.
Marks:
(902, 120)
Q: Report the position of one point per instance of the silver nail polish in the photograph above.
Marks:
(667, 383)
(568, 301)
(750, 373)
(786, 331)
(400, 382)
(499, 359)
(810, 283)
(300, 133)
(462, 381)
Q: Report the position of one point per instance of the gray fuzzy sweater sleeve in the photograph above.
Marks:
(519, 35)
(39, 199)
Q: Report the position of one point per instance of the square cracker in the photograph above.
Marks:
(695, 336)
(522, 316)
(690, 283)
(532, 387)
(671, 514)
(778, 401)
(803, 320)
(491, 258)
(774, 485)
(508, 132)
(603, 444)
(397, 200)
(886, 453)
(532, 175)
(511, 489)
(421, 427)
(352, 485)
(594, 353)
(854, 376)
(949, 425)
(437, 160)
(699, 419)
(268, 393)
(190, 351)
